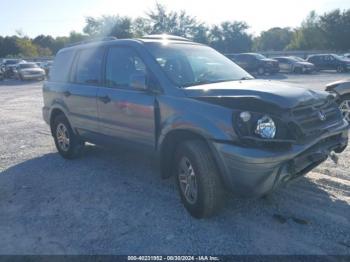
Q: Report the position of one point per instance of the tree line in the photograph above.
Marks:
(330, 31)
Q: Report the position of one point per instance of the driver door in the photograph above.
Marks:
(125, 113)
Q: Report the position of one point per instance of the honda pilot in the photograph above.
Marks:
(210, 123)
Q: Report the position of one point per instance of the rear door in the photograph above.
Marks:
(125, 113)
(80, 95)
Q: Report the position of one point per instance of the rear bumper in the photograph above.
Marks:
(257, 171)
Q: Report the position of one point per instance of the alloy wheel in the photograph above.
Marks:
(62, 136)
(187, 180)
(345, 109)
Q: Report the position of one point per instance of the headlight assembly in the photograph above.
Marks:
(266, 127)
(261, 127)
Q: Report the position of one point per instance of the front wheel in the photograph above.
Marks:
(67, 143)
(198, 179)
(261, 71)
(344, 106)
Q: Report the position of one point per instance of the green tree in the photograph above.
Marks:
(336, 28)
(118, 26)
(26, 47)
(231, 37)
(8, 46)
(309, 36)
(274, 39)
(176, 23)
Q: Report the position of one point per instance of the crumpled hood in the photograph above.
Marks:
(282, 95)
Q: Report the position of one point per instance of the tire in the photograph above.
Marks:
(209, 189)
(298, 70)
(340, 69)
(261, 71)
(67, 149)
(344, 106)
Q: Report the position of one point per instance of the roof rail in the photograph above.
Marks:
(165, 37)
(99, 39)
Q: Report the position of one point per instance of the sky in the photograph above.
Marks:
(59, 17)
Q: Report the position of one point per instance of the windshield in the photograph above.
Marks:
(293, 59)
(259, 56)
(338, 57)
(12, 62)
(296, 58)
(188, 64)
(23, 66)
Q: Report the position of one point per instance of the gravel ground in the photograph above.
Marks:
(114, 202)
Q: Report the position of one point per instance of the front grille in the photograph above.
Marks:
(315, 119)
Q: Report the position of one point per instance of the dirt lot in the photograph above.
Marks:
(113, 201)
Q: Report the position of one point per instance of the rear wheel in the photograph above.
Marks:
(340, 69)
(261, 71)
(198, 179)
(344, 106)
(67, 143)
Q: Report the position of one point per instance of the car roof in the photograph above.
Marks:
(132, 41)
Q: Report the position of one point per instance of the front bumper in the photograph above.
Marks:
(272, 69)
(257, 171)
(33, 76)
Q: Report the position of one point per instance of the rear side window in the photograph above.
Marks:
(89, 66)
(61, 66)
(122, 63)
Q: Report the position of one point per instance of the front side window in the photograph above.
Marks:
(89, 66)
(121, 65)
(189, 64)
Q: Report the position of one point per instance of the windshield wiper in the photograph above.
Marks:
(246, 78)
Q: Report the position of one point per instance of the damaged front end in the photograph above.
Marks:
(277, 138)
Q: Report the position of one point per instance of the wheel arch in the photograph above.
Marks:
(168, 146)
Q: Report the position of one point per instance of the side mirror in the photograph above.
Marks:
(138, 81)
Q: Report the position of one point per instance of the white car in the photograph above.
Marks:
(27, 71)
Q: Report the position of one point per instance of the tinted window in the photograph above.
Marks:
(121, 64)
(89, 66)
(61, 66)
(191, 64)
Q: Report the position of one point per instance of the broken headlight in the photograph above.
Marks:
(266, 127)
(260, 126)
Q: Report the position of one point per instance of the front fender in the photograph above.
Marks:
(210, 121)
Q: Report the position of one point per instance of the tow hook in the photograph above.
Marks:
(333, 156)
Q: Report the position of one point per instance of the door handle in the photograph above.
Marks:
(67, 93)
(104, 99)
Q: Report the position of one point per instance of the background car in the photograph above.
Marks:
(342, 89)
(28, 71)
(330, 62)
(347, 56)
(47, 66)
(293, 65)
(9, 66)
(253, 62)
